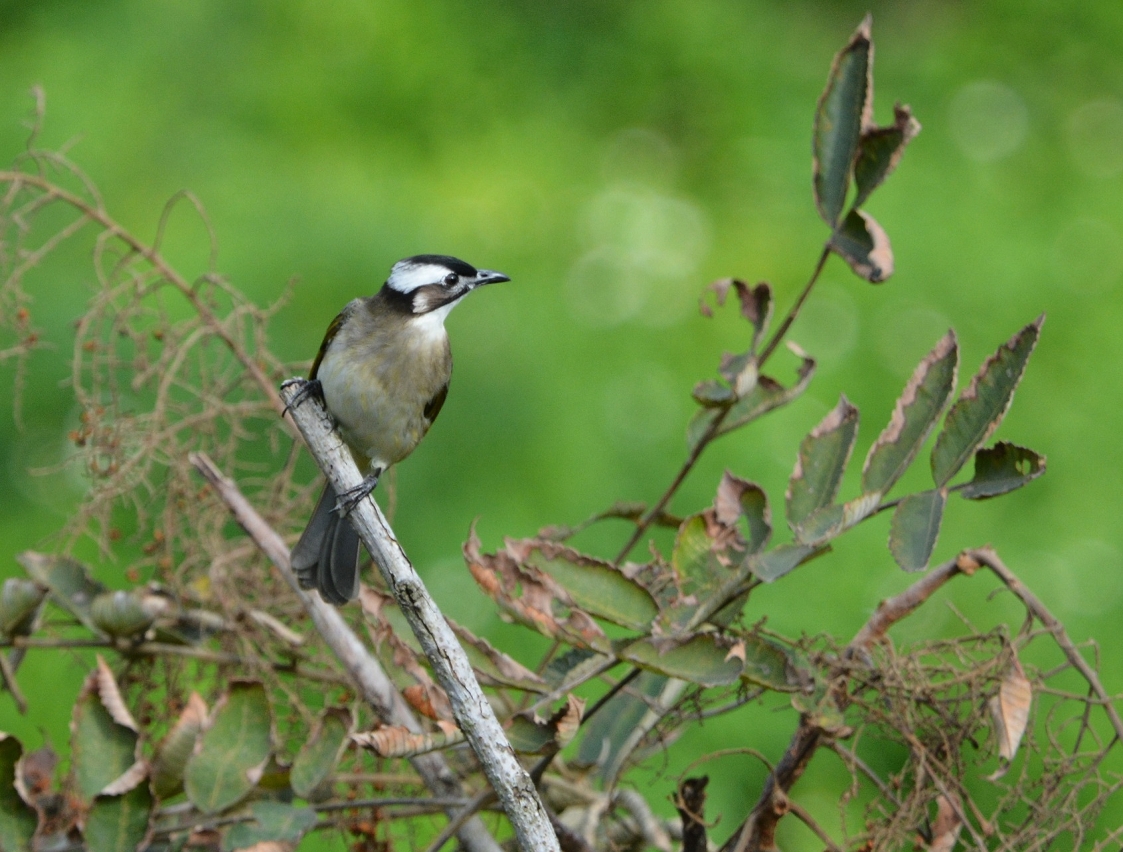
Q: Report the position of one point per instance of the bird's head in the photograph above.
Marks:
(429, 282)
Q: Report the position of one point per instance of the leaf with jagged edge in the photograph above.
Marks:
(319, 756)
(175, 749)
(767, 395)
(756, 304)
(981, 407)
(822, 459)
(1002, 468)
(864, 245)
(739, 498)
(879, 151)
(104, 741)
(915, 528)
(914, 417)
(234, 749)
(842, 113)
(17, 818)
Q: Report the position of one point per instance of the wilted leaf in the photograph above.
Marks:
(981, 407)
(946, 827)
(595, 586)
(234, 750)
(318, 757)
(913, 418)
(399, 741)
(823, 455)
(1010, 710)
(119, 823)
(68, 580)
(738, 498)
(120, 613)
(864, 245)
(880, 149)
(756, 304)
(20, 602)
(17, 818)
(493, 666)
(103, 736)
(272, 821)
(175, 749)
(766, 396)
(1002, 468)
(532, 735)
(915, 528)
(843, 111)
(531, 596)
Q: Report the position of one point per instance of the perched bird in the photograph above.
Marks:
(382, 373)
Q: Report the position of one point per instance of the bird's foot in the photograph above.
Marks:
(308, 388)
(350, 498)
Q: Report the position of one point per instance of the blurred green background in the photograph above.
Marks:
(613, 158)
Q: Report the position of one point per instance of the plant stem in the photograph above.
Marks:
(711, 432)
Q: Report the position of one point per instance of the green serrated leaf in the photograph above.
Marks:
(843, 111)
(710, 659)
(176, 748)
(596, 586)
(119, 823)
(69, 581)
(17, 818)
(864, 245)
(272, 822)
(318, 757)
(766, 396)
(915, 528)
(981, 407)
(693, 558)
(914, 416)
(779, 561)
(102, 748)
(1002, 468)
(879, 151)
(233, 752)
(823, 455)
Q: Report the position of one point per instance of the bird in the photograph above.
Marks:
(382, 373)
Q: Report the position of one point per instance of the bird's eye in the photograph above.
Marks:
(451, 278)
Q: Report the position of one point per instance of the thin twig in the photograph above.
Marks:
(712, 429)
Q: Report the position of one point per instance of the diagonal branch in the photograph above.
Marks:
(473, 712)
(365, 671)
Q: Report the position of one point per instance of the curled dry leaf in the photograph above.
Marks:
(110, 695)
(396, 741)
(532, 596)
(1010, 711)
(946, 828)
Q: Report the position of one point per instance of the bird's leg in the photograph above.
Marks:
(350, 498)
(308, 387)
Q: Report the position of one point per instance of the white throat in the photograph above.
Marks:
(430, 327)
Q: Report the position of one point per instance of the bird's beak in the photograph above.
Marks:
(489, 276)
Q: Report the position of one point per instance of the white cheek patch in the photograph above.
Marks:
(408, 277)
(430, 327)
